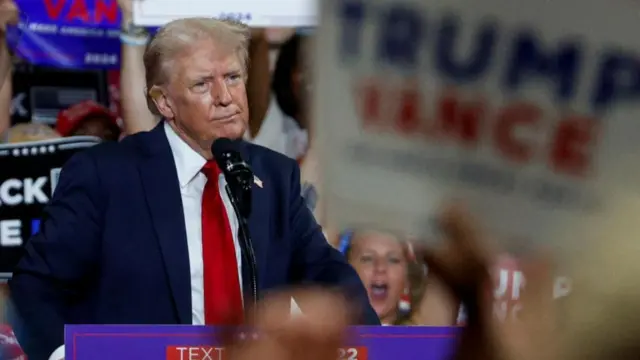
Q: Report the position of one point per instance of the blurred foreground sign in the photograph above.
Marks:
(91, 342)
(256, 13)
(525, 112)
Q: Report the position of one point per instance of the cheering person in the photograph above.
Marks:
(388, 269)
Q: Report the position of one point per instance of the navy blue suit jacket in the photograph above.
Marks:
(112, 247)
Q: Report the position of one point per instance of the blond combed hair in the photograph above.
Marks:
(179, 35)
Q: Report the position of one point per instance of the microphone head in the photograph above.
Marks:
(223, 145)
(227, 155)
(238, 174)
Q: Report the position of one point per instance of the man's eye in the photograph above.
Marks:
(199, 86)
(234, 77)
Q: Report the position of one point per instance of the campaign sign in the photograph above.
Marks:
(28, 179)
(69, 33)
(525, 112)
(85, 33)
(256, 13)
(106, 342)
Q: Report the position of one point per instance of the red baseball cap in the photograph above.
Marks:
(69, 119)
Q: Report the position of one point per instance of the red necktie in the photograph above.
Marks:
(222, 294)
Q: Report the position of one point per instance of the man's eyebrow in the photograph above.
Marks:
(201, 77)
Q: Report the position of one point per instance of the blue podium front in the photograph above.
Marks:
(107, 342)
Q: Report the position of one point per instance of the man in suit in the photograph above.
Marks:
(142, 231)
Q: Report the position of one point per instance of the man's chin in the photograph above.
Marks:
(233, 132)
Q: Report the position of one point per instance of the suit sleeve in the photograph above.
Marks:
(315, 261)
(59, 259)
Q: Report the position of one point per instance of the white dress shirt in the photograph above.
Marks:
(189, 166)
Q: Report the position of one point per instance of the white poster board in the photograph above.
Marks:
(256, 13)
(527, 112)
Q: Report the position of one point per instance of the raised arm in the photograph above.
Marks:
(5, 87)
(259, 80)
(135, 113)
(8, 15)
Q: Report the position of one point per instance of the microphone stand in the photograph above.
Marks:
(247, 248)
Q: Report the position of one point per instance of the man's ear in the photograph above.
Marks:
(161, 102)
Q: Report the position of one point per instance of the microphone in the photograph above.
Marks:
(239, 178)
(236, 172)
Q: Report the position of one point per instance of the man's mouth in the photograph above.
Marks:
(225, 118)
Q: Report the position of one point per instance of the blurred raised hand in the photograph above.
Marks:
(315, 336)
(126, 8)
(463, 264)
(8, 14)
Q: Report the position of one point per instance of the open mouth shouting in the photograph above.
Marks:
(378, 291)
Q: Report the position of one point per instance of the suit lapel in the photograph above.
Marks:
(162, 191)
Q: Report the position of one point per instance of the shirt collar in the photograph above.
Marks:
(188, 162)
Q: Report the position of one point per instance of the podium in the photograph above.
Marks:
(169, 342)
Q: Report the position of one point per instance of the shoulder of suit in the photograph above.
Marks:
(125, 150)
(129, 149)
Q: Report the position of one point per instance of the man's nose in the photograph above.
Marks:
(221, 94)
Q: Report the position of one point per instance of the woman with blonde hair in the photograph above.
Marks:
(399, 289)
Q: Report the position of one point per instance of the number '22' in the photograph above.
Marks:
(348, 354)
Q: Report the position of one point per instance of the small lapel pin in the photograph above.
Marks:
(257, 181)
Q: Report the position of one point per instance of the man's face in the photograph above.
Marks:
(206, 96)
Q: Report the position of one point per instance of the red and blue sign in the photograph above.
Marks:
(69, 33)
